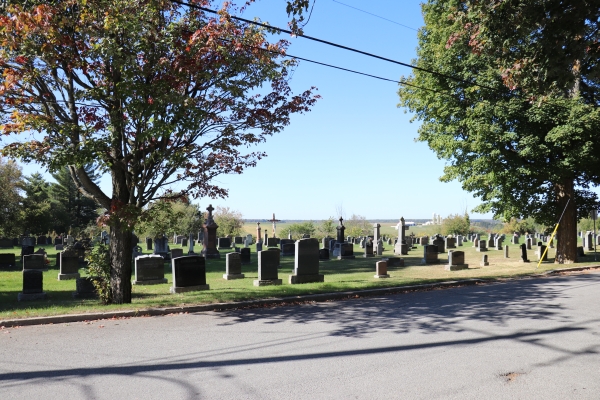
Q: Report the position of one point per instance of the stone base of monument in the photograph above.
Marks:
(84, 289)
(66, 277)
(346, 257)
(426, 262)
(449, 267)
(484, 263)
(229, 277)
(267, 282)
(524, 261)
(381, 276)
(365, 255)
(394, 262)
(306, 278)
(31, 296)
(150, 282)
(183, 289)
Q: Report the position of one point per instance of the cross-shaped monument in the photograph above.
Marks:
(273, 220)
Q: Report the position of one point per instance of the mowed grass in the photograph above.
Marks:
(340, 275)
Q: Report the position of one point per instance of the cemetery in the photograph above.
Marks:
(165, 273)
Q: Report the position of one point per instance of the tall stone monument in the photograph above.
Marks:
(210, 236)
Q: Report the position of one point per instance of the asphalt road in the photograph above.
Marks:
(526, 339)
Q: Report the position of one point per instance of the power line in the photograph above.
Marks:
(338, 46)
(375, 15)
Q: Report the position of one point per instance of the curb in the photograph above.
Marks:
(146, 312)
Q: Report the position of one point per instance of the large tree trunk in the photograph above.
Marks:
(120, 262)
(566, 236)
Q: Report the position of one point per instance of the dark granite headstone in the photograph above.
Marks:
(69, 265)
(148, 243)
(175, 253)
(306, 262)
(84, 289)
(233, 266)
(7, 261)
(189, 274)
(323, 254)
(430, 254)
(456, 261)
(223, 243)
(524, 253)
(273, 242)
(245, 256)
(368, 249)
(288, 247)
(41, 240)
(268, 268)
(58, 240)
(184, 242)
(6, 243)
(238, 240)
(33, 286)
(149, 270)
(34, 261)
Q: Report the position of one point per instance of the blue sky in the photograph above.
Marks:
(355, 150)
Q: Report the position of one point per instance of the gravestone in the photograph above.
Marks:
(33, 286)
(175, 253)
(481, 246)
(450, 243)
(245, 256)
(381, 269)
(6, 243)
(475, 242)
(498, 243)
(439, 242)
(394, 262)
(136, 252)
(59, 247)
(69, 265)
(376, 232)
(184, 242)
(233, 266)
(191, 242)
(340, 231)
(506, 251)
(288, 247)
(223, 243)
(70, 240)
(179, 239)
(210, 236)
(456, 261)
(306, 262)
(459, 240)
(249, 240)
(8, 261)
(58, 240)
(34, 261)
(379, 247)
(368, 250)
(580, 252)
(424, 240)
(589, 241)
(362, 243)
(189, 274)
(524, 258)
(273, 242)
(515, 239)
(529, 243)
(325, 242)
(430, 254)
(484, 261)
(84, 289)
(344, 251)
(238, 240)
(161, 247)
(323, 254)
(490, 241)
(268, 268)
(389, 241)
(149, 270)
(543, 254)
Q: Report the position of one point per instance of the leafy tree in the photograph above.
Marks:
(36, 213)
(152, 92)
(299, 229)
(230, 222)
(169, 217)
(456, 224)
(70, 207)
(523, 146)
(327, 228)
(11, 182)
(357, 225)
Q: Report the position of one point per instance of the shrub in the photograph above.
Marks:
(98, 267)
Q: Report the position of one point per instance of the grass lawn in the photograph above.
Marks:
(340, 275)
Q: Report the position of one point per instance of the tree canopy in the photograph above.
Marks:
(152, 92)
(525, 142)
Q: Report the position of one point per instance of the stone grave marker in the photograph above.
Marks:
(148, 243)
(430, 254)
(306, 262)
(69, 265)
(223, 243)
(161, 247)
(268, 268)
(249, 240)
(484, 261)
(379, 247)
(149, 270)
(524, 253)
(189, 274)
(184, 242)
(394, 262)
(506, 251)
(288, 247)
(541, 256)
(33, 286)
(34, 261)
(498, 243)
(84, 289)
(8, 261)
(580, 252)
(238, 240)
(368, 249)
(175, 253)
(323, 254)
(481, 246)
(381, 269)
(233, 266)
(459, 240)
(450, 243)
(6, 243)
(456, 261)
(209, 236)
(439, 242)
(59, 247)
(245, 256)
